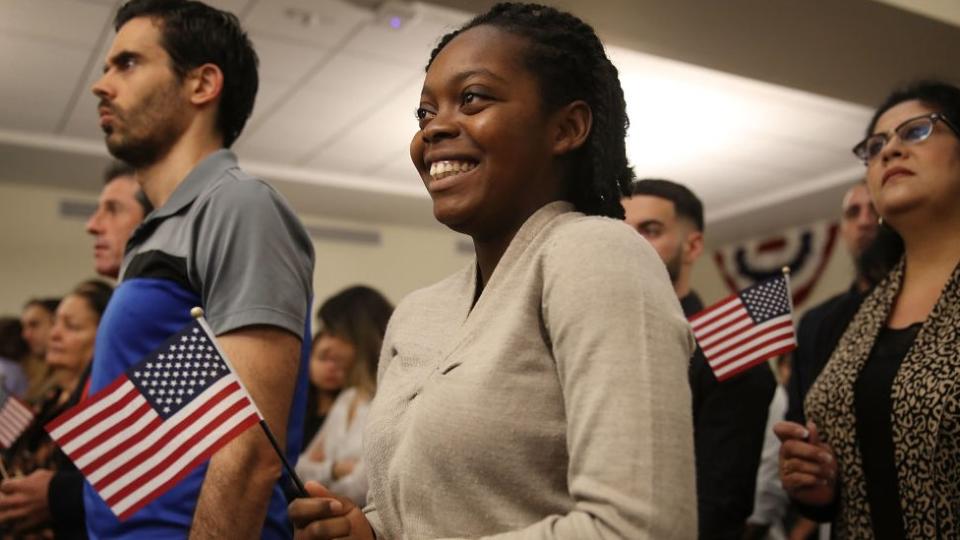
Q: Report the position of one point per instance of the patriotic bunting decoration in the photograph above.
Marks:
(805, 251)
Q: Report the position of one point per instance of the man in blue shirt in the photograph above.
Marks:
(179, 84)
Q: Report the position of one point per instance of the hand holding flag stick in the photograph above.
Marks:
(143, 433)
(197, 313)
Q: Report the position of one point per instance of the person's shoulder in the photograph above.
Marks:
(237, 189)
(576, 238)
(345, 397)
(827, 307)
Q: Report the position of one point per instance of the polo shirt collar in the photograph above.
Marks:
(212, 166)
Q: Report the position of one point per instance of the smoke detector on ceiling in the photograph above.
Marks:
(395, 14)
(306, 17)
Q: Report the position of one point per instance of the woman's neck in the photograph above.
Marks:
(67, 379)
(931, 257)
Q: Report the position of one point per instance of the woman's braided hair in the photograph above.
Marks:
(570, 63)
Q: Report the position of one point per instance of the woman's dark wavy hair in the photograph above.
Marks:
(358, 315)
(939, 95)
(97, 293)
(568, 59)
(194, 34)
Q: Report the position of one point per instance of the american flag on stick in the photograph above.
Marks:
(15, 418)
(747, 328)
(151, 427)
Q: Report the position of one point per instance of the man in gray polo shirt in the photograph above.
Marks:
(178, 86)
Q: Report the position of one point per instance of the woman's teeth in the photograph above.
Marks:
(443, 169)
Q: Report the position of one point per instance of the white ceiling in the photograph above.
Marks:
(334, 114)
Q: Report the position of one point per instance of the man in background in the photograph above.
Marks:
(120, 209)
(54, 496)
(728, 417)
(822, 326)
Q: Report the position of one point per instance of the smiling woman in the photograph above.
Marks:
(541, 392)
(882, 454)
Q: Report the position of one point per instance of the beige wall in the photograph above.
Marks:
(45, 254)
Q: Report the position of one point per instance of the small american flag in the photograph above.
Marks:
(745, 329)
(147, 430)
(15, 417)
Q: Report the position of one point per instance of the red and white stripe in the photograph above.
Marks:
(15, 417)
(130, 455)
(732, 342)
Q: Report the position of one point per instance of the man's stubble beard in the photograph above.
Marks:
(674, 265)
(150, 129)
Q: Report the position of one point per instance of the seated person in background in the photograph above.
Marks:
(24, 502)
(36, 320)
(353, 323)
(326, 381)
(13, 351)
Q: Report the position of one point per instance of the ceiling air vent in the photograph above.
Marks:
(77, 209)
(339, 234)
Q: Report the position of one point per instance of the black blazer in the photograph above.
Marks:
(729, 419)
(818, 334)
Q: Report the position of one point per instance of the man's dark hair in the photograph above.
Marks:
(938, 95)
(47, 304)
(118, 169)
(685, 203)
(568, 59)
(194, 34)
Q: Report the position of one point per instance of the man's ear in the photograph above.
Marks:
(693, 247)
(205, 84)
(571, 127)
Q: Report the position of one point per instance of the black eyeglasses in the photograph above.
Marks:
(910, 131)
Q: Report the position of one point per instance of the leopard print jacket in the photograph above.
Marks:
(925, 416)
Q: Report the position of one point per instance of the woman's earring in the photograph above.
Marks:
(880, 220)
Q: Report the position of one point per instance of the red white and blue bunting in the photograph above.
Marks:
(805, 250)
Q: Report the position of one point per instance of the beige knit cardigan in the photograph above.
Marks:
(556, 407)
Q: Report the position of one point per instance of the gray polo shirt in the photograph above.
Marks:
(227, 242)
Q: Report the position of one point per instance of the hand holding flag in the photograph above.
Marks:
(142, 434)
(747, 328)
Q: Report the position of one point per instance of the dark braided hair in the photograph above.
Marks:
(570, 63)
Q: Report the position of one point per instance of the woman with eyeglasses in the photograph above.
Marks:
(881, 452)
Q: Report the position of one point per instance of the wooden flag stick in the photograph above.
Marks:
(197, 313)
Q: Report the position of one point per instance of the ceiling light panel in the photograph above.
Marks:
(365, 144)
(67, 22)
(45, 75)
